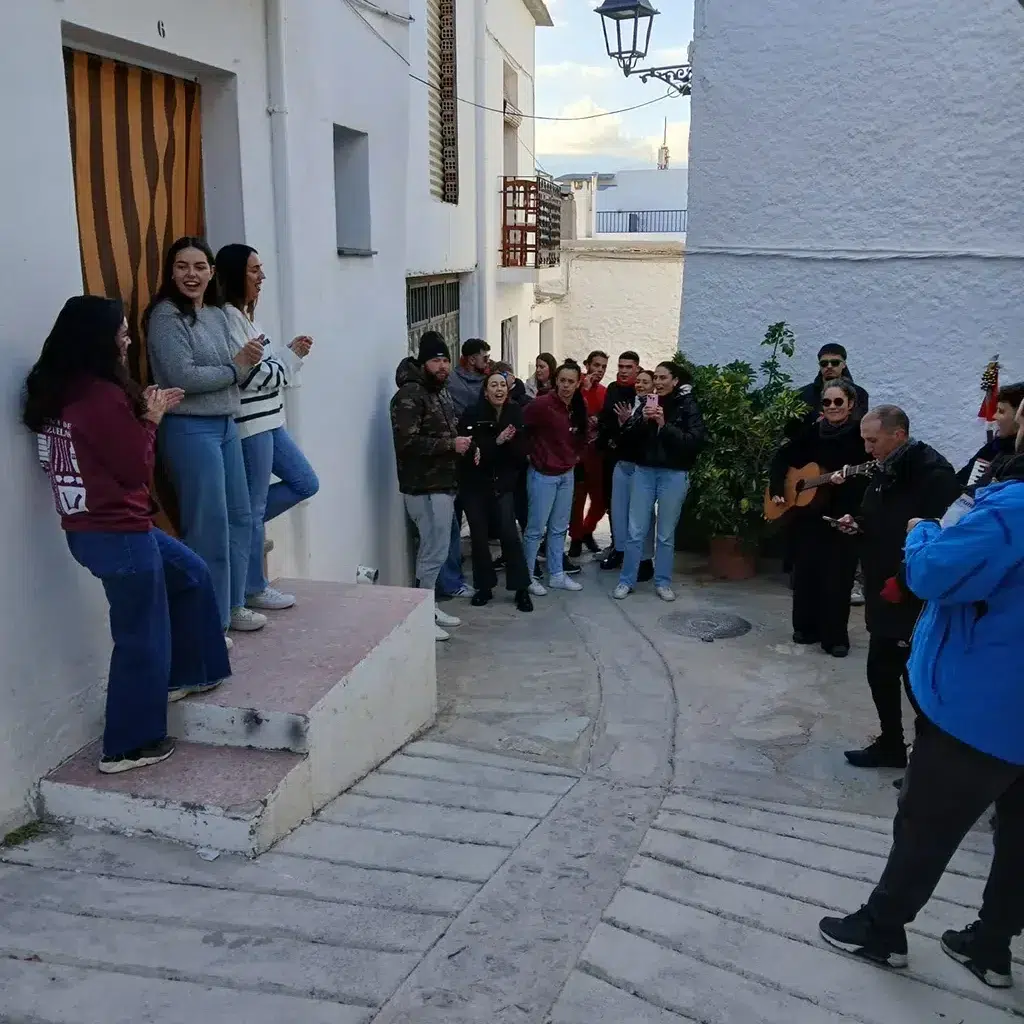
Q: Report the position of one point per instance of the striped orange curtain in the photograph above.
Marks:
(136, 151)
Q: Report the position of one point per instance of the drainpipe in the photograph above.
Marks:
(486, 256)
(277, 109)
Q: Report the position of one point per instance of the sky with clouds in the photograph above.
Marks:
(576, 77)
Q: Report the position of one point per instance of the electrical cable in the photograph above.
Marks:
(402, 19)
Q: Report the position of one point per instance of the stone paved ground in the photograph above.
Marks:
(612, 822)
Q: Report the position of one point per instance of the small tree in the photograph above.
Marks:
(746, 422)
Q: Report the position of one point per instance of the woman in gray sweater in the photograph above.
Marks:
(189, 348)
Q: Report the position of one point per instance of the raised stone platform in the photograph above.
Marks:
(320, 697)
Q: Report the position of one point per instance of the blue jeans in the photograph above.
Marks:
(550, 508)
(451, 580)
(667, 489)
(272, 452)
(203, 455)
(165, 625)
(622, 482)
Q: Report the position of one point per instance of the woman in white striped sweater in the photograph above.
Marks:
(267, 447)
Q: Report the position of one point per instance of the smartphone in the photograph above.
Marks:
(652, 401)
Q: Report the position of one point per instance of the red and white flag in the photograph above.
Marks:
(989, 388)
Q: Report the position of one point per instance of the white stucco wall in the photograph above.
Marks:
(855, 174)
(645, 190)
(53, 634)
(619, 295)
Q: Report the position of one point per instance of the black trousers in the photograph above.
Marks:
(947, 788)
(483, 508)
(888, 679)
(824, 565)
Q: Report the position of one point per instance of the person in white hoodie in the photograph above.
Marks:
(267, 447)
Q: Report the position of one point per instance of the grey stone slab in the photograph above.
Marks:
(799, 851)
(811, 972)
(34, 993)
(390, 851)
(824, 833)
(423, 819)
(588, 1000)
(454, 794)
(696, 990)
(93, 853)
(469, 755)
(506, 957)
(477, 775)
(240, 960)
(797, 919)
(221, 909)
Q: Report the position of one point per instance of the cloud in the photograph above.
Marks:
(570, 69)
(606, 137)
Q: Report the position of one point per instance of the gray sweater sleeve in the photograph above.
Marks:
(171, 342)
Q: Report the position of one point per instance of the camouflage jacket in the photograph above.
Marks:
(424, 426)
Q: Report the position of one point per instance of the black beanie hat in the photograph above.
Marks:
(432, 346)
(832, 349)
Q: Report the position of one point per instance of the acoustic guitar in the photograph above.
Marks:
(801, 487)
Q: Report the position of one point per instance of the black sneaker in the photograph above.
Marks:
(570, 568)
(804, 638)
(138, 758)
(498, 564)
(575, 548)
(878, 754)
(613, 561)
(646, 571)
(590, 544)
(857, 935)
(523, 602)
(988, 960)
(480, 598)
(836, 650)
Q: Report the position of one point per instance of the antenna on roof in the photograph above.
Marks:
(663, 151)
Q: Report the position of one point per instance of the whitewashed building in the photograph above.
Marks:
(280, 123)
(854, 169)
(482, 225)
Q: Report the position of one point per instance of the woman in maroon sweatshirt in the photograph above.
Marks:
(556, 425)
(96, 431)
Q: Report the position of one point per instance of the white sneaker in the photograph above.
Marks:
(857, 595)
(440, 634)
(245, 620)
(564, 582)
(270, 600)
(228, 642)
(538, 589)
(621, 592)
(465, 591)
(665, 593)
(443, 619)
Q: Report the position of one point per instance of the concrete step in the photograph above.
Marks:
(319, 698)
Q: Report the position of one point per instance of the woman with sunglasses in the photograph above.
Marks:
(824, 559)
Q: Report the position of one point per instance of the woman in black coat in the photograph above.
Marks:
(487, 481)
(824, 559)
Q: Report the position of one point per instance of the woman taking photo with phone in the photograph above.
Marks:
(97, 431)
(824, 558)
(488, 476)
(663, 436)
(267, 447)
(190, 348)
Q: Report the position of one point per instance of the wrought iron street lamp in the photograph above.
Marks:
(627, 36)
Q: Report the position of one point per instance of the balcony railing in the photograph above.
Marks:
(641, 222)
(531, 222)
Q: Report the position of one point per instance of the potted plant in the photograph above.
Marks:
(746, 413)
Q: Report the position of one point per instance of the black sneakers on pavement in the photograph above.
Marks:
(570, 568)
(879, 754)
(987, 959)
(138, 758)
(858, 935)
(612, 560)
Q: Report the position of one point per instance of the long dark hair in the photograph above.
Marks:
(549, 361)
(82, 343)
(169, 290)
(232, 267)
(577, 407)
(679, 372)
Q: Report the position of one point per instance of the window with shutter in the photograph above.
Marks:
(434, 145)
(442, 109)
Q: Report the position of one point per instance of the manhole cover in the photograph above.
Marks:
(706, 626)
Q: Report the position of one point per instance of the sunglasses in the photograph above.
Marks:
(830, 362)
(837, 402)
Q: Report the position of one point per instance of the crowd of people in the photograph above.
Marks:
(533, 463)
(216, 413)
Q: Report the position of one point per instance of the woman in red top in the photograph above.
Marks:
(96, 431)
(556, 426)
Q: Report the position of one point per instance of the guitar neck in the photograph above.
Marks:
(817, 481)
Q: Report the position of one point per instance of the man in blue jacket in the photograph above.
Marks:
(965, 671)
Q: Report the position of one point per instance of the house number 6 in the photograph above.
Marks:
(160, 30)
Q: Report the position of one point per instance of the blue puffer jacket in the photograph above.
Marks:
(968, 646)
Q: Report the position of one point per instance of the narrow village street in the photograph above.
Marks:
(614, 820)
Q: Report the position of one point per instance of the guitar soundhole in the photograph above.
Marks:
(799, 486)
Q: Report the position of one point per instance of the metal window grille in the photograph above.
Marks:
(432, 304)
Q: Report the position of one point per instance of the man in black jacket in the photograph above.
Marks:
(831, 366)
(913, 481)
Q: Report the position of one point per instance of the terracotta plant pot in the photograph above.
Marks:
(730, 560)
